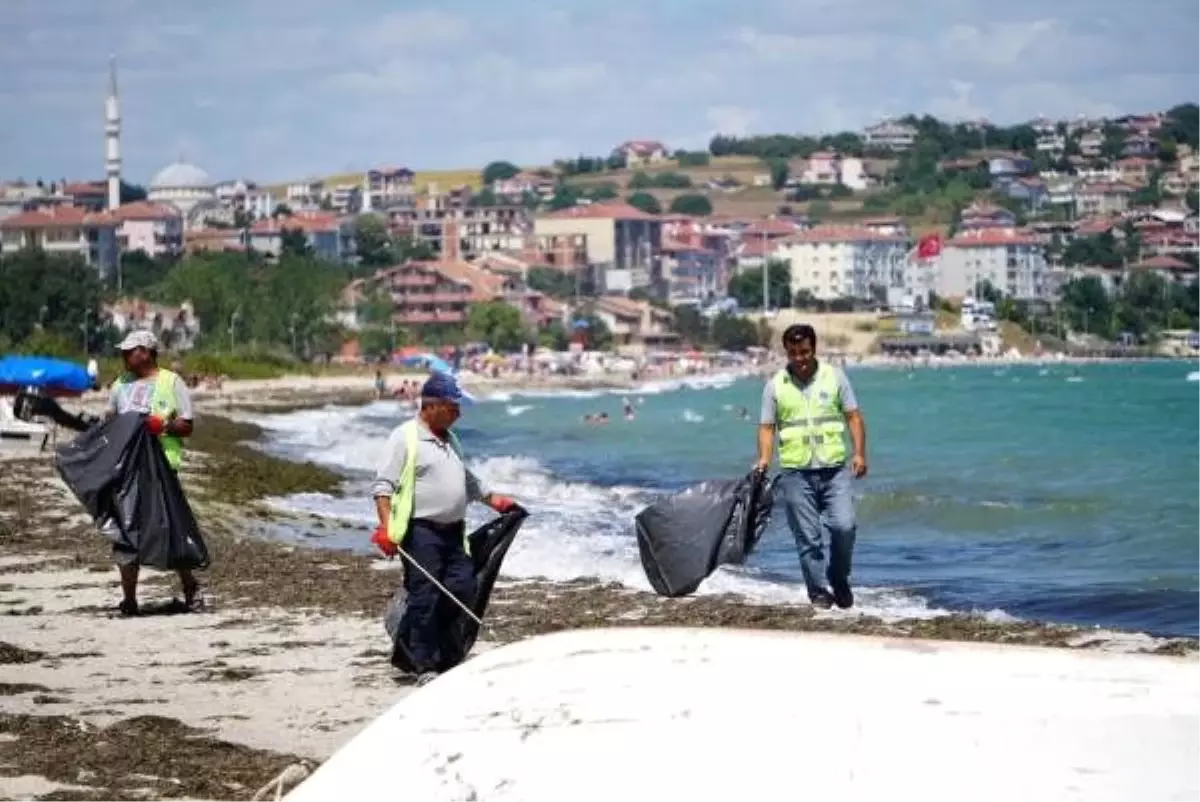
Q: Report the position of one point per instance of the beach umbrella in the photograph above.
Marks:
(55, 377)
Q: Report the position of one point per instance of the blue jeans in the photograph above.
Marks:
(820, 499)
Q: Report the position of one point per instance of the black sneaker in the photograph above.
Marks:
(843, 597)
(822, 600)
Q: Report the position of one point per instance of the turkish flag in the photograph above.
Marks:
(929, 247)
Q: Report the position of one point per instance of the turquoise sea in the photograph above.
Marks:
(1058, 493)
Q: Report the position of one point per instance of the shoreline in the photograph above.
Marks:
(291, 660)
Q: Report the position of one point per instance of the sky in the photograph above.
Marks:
(273, 90)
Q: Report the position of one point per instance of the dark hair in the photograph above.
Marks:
(798, 333)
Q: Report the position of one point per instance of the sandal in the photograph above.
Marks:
(127, 608)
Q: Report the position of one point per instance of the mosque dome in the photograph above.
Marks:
(181, 175)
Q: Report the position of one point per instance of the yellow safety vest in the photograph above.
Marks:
(162, 404)
(404, 497)
(812, 426)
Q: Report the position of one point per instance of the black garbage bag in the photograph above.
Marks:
(682, 538)
(119, 473)
(488, 544)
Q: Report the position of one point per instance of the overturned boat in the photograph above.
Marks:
(717, 714)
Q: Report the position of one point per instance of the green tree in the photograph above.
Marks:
(746, 286)
(372, 240)
(497, 323)
(293, 242)
(697, 158)
(734, 333)
(45, 292)
(691, 204)
(691, 325)
(551, 281)
(499, 171)
(779, 173)
(564, 198)
(1193, 201)
(644, 201)
(599, 336)
(554, 336)
(139, 272)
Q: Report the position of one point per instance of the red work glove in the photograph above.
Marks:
(384, 544)
(155, 425)
(501, 504)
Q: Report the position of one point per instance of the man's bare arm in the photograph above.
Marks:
(766, 443)
(858, 432)
(383, 509)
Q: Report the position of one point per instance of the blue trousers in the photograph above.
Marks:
(819, 500)
(430, 616)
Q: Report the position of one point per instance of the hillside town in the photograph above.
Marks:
(878, 219)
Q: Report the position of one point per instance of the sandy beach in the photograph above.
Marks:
(289, 658)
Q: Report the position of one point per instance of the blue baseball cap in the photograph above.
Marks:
(445, 388)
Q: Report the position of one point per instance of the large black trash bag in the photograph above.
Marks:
(682, 538)
(488, 544)
(119, 473)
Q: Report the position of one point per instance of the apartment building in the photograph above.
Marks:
(65, 230)
(891, 135)
(623, 242)
(636, 326)
(329, 236)
(1102, 198)
(477, 229)
(1011, 260)
(427, 294)
(156, 229)
(387, 188)
(833, 261)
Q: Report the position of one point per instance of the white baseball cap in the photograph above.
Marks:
(139, 339)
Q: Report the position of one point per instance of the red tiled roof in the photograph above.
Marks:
(144, 210)
(85, 188)
(840, 233)
(58, 215)
(1164, 262)
(641, 146)
(616, 210)
(992, 238)
(1093, 226)
(484, 286)
(309, 222)
(770, 227)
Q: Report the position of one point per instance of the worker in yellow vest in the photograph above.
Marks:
(421, 492)
(809, 406)
(162, 396)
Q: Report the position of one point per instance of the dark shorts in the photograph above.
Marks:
(123, 556)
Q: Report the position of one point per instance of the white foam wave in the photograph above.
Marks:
(1194, 376)
(691, 416)
(577, 530)
(518, 409)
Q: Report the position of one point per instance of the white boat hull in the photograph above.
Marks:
(710, 714)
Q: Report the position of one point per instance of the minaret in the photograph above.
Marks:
(112, 138)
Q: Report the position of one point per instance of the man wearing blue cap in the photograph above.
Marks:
(421, 493)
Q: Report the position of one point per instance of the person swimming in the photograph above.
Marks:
(627, 408)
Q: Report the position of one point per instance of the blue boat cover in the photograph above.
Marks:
(44, 372)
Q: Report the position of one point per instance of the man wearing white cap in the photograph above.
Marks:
(162, 396)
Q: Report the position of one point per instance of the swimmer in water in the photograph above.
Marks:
(627, 408)
(743, 413)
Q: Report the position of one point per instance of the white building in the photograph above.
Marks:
(245, 196)
(832, 262)
(1011, 260)
(186, 187)
(889, 135)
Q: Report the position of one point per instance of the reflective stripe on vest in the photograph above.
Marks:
(162, 404)
(811, 426)
(404, 496)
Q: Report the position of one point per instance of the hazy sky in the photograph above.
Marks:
(277, 89)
